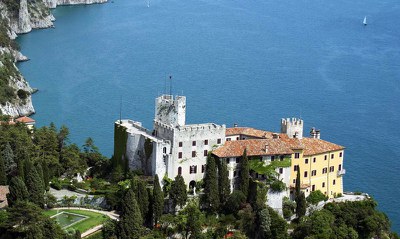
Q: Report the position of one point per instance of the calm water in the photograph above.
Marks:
(245, 62)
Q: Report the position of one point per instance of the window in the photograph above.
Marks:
(218, 141)
(281, 157)
(193, 143)
(294, 180)
(180, 144)
(296, 167)
(332, 156)
(340, 167)
(234, 173)
(313, 188)
(331, 168)
(280, 170)
(203, 168)
(325, 157)
(272, 158)
(193, 154)
(206, 142)
(323, 184)
(340, 154)
(180, 155)
(205, 152)
(237, 138)
(180, 171)
(237, 160)
(305, 174)
(306, 161)
(165, 150)
(324, 170)
(297, 155)
(228, 160)
(228, 139)
(193, 169)
(334, 182)
(314, 160)
(314, 173)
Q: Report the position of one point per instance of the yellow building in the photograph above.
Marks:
(320, 164)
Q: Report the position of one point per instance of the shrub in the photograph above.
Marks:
(288, 207)
(316, 196)
(277, 186)
(22, 94)
(56, 184)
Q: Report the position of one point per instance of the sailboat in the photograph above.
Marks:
(365, 21)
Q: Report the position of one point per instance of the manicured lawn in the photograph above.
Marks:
(93, 219)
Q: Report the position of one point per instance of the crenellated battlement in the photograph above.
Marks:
(293, 127)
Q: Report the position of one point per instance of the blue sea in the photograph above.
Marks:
(245, 62)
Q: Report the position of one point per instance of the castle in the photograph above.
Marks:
(174, 148)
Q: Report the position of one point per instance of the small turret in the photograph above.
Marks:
(315, 133)
(292, 127)
(170, 111)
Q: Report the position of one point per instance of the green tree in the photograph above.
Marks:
(223, 182)
(211, 197)
(247, 220)
(263, 224)
(244, 174)
(8, 159)
(320, 224)
(158, 200)
(278, 226)
(109, 229)
(35, 186)
(46, 178)
(301, 205)
(62, 137)
(194, 220)
(178, 193)
(3, 176)
(142, 198)
(316, 196)
(234, 202)
(130, 224)
(18, 191)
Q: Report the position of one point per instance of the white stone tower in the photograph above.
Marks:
(292, 127)
(170, 111)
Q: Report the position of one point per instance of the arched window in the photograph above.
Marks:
(180, 171)
(165, 150)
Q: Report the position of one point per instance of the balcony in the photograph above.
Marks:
(341, 172)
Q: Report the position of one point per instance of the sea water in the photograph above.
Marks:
(245, 62)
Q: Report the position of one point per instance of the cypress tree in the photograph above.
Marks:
(18, 191)
(158, 200)
(8, 159)
(223, 182)
(142, 198)
(211, 195)
(39, 169)
(130, 224)
(297, 186)
(244, 174)
(178, 192)
(300, 198)
(46, 179)
(35, 185)
(3, 176)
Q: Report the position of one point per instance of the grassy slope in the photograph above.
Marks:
(93, 220)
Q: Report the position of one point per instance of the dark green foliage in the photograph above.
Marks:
(22, 94)
(77, 234)
(263, 224)
(223, 182)
(130, 224)
(297, 185)
(109, 229)
(194, 220)
(211, 196)
(26, 220)
(120, 140)
(71, 160)
(158, 200)
(244, 174)
(18, 191)
(178, 193)
(301, 205)
(247, 220)
(316, 196)
(8, 158)
(278, 228)
(34, 184)
(12, 6)
(234, 202)
(142, 198)
(3, 176)
(288, 207)
(46, 179)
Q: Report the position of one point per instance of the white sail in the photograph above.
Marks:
(365, 20)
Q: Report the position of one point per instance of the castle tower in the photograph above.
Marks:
(292, 127)
(170, 111)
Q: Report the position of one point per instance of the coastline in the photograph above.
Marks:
(22, 19)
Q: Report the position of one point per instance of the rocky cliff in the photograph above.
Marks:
(17, 17)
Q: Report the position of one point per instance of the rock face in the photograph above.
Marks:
(31, 14)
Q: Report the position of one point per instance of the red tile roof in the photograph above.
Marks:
(249, 132)
(254, 147)
(3, 196)
(318, 146)
(25, 119)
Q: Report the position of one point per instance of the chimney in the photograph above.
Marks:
(266, 148)
(275, 135)
(314, 133)
(318, 133)
(235, 125)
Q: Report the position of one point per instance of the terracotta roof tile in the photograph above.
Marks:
(25, 119)
(255, 147)
(318, 146)
(249, 132)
